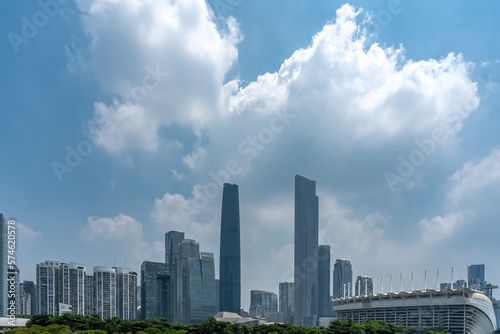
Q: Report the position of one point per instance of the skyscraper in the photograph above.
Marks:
(476, 276)
(173, 240)
(126, 289)
(89, 294)
(155, 283)
(28, 298)
(324, 305)
(263, 303)
(105, 291)
(342, 274)
(3, 266)
(286, 301)
(72, 287)
(230, 259)
(201, 288)
(47, 284)
(189, 249)
(305, 252)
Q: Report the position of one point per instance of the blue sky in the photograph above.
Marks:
(391, 106)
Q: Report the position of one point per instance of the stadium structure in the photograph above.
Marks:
(462, 310)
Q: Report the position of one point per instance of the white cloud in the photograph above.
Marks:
(131, 40)
(121, 228)
(439, 228)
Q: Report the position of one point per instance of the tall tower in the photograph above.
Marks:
(126, 297)
(155, 291)
(230, 259)
(342, 274)
(105, 291)
(72, 286)
(286, 301)
(201, 287)
(173, 240)
(47, 287)
(305, 252)
(324, 308)
(189, 249)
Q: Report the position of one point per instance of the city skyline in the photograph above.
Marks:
(113, 134)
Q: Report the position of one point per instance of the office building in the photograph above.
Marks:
(363, 286)
(230, 257)
(342, 278)
(126, 298)
(286, 301)
(88, 291)
(305, 252)
(217, 295)
(71, 286)
(173, 240)
(28, 298)
(324, 303)
(263, 304)
(3, 266)
(476, 275)
(155, 284)
(188, 249)
(201, 287)
(105, 291)
(47, 285)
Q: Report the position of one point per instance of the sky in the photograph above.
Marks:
(120, 121)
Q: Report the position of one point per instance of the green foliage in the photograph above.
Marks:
(93, 324)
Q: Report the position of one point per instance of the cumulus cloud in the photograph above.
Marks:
(120, 228)
(165, 62)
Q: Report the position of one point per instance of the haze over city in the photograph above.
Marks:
(121, 121)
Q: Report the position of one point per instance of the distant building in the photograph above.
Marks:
(28, 298)
(230, 257)
(286, 301)
(88, 290)
(71, 286)
(189, 249)
(342, 278)
(476, 276)
(217, 295)
(173, 240)
(126, 298)
(324, 303)
(47, 285)
(305, 252)
(363, 286)
(155, 283)
(262, 304)
(105, 291)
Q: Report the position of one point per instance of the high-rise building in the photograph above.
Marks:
(342, 275)
(188, 249)
(217, 296)
(89, 294)
(126, 297)
(105, 291)
(262, 304)
(3, 266)
(305, 252)
(363, 286)
(201, 288)
(230, 257)
(47, 286)
(155, 289)
(173, 240)
(28, 298)
(286, 301)
(324, 304)
(476, 276)
(71, 286)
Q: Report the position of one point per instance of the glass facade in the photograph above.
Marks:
(324, 304)
(155, 283)
(230, 259)
(342, 274)
(201, 288)
(305, 252)
(286, 301)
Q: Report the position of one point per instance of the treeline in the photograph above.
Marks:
(93, 324)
